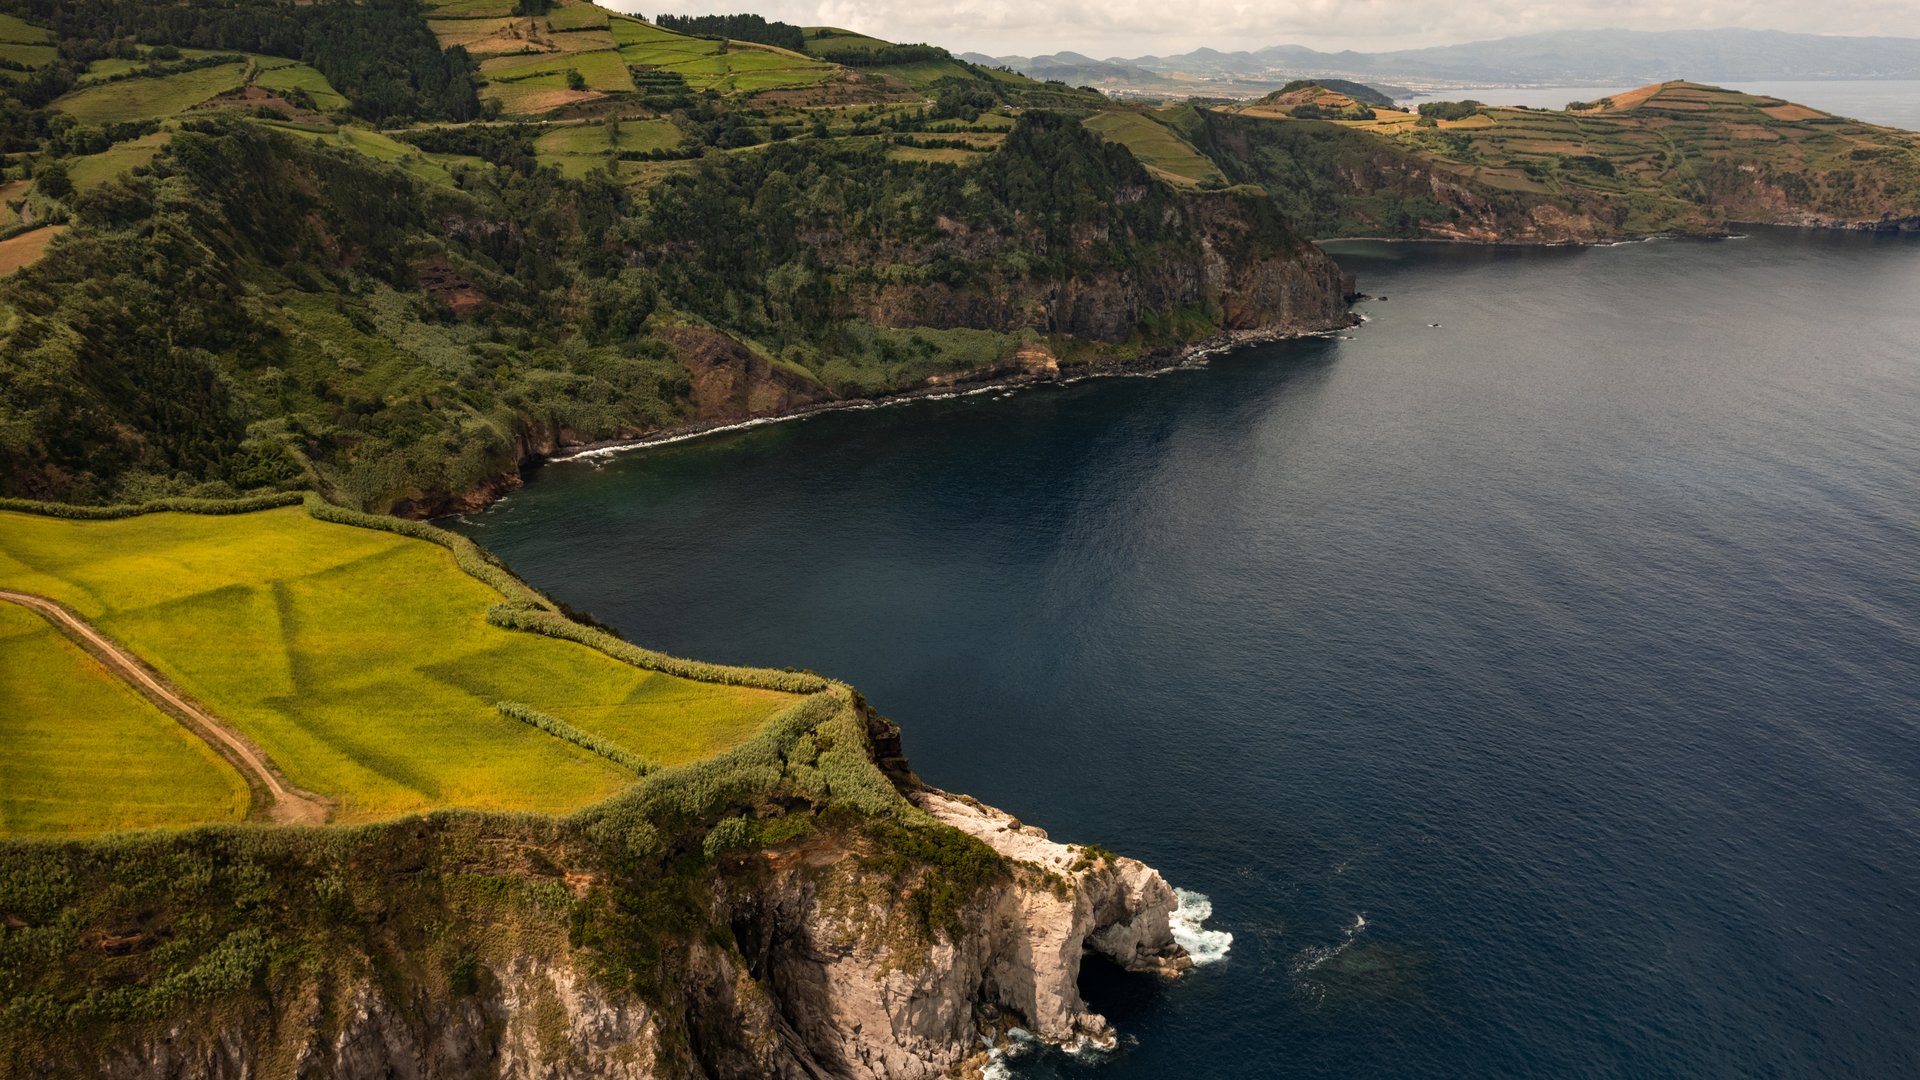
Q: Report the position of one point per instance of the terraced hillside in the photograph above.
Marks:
(1673, 156)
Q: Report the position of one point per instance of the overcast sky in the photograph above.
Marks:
(1133, 27)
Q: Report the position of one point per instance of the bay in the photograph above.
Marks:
(1532, 694)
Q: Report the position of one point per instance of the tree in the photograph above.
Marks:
(51, 180)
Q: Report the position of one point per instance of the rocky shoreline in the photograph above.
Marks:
(983, 382)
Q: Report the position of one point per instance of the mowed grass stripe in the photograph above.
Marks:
(86, 754)
(361, 661)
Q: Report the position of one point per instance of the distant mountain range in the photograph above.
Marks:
(1626, 57)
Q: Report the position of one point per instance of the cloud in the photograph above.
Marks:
(1133, 27)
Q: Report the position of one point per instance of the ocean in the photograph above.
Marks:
(1889, 102)
(1528, 679)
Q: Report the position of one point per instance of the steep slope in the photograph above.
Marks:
(334, 321)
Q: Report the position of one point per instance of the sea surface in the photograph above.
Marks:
(1889, 102)
(1534, 694)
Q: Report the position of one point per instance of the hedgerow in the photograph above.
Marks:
(179, 505)
(588, 741)
(543, 620)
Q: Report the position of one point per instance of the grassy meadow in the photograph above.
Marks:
(150, 99)
(1158, 147)
(302, 77)
(86, 754)
(95, 169)
(576, 148)
(723, 66)
(361, 661)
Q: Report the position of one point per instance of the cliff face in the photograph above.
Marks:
(859, 995)
(844, 953)
(1227, 262)
(828, 973)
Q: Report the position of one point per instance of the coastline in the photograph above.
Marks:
(1196, 354)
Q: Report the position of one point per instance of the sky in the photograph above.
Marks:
(1103, 28)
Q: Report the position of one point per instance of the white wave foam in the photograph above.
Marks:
(1019, 1043)
(1189, 929)
(1314, 955)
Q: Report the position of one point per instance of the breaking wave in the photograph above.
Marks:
(1188, 921)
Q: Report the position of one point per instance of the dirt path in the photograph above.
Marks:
(289, 805)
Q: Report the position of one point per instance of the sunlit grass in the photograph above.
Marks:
(84, 753)
(362, 662)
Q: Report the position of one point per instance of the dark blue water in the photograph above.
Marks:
(1573, 644)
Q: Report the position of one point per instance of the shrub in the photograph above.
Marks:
(1450, 110)
(77, 512)
(538, 618)
(585, 740)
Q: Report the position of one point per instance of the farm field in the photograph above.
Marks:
(577, 148)
(15, 29)
(86, 754)
(727, 67)
(30, 56)
(1157, 146)
(302, 77)
(429, 167)
(149, 99)
(26, 248)
(95, 169)
(361, 661)
(470, 8)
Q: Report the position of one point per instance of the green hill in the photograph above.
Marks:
(393, 253)
(1674, 156)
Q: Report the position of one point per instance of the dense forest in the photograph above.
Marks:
(739, 28)
(379, 53)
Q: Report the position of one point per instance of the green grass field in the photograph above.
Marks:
(577, 17)
(13, 28)
(706, 64)
(470, 8)
(361, 661)
(302, 77)
(530, 85)
(85, 754)
(33, 56)
(1157, 146)
(429, 167)
(832, 41)
(95, 169)
(149, 99)
(577, 148)
(101, 70)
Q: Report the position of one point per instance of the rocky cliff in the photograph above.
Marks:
(809, 938)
